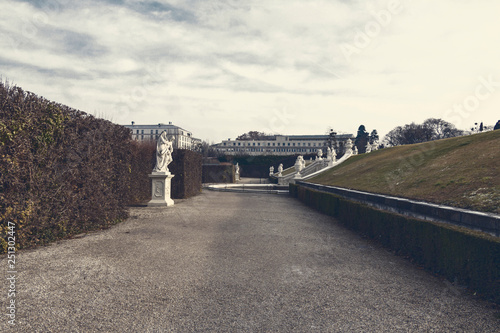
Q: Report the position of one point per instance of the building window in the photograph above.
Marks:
(239, 143)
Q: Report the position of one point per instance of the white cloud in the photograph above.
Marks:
(221, 68)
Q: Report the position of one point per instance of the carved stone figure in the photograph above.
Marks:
(299, 164)
(271, 171)
(348, 145)
(237, 168)
(280, 169)
(164, 150)
(355, 150)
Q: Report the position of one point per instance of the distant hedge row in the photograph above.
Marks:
(258, 166)
(223, 173)
(62, 171)
(453, 252)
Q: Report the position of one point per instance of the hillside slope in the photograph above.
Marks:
(460, 172)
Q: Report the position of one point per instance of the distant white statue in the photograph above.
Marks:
(334, 156)
(355, 150)
(348, 145)
(320, 153)
(164, 150)
(328, 153)
(280, 169)
(299, 164)
(237, 168)
(271, 171)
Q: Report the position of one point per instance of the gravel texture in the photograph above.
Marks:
(233, 262)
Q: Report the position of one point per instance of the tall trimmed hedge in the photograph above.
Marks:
(62, 171)
(454, 252)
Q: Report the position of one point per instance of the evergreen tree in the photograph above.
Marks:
(361, 139)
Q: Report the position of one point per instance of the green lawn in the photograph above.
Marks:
(460, 172)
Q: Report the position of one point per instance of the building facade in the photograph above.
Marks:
(282, 145)
(183, 139)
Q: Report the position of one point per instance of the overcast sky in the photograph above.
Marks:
(222, 68)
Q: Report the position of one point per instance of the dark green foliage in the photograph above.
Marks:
(361, 139)
(223, 173)
(472, 258)
(186, 166)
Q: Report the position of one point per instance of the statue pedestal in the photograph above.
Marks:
(161, 185)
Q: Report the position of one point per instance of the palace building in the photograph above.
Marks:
(183, 139)
(282, 145)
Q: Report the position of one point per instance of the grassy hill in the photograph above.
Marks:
(460, 172)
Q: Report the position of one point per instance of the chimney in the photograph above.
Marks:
(133, 123)
(170, 123)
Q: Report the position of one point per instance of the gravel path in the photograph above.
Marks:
(233, 262)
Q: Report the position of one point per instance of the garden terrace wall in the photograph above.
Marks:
(62, 171)
(473, 258)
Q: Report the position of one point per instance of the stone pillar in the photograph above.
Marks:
(161, 189)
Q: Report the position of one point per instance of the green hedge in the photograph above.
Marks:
(186, 166)
(223, 173)
(258, 166)
(473, 258)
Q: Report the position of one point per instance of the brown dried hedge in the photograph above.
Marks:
(186, 166)
(64, 172)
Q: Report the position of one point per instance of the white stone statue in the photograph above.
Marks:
(355, 150)
(320, 153)
(348, 145)
(334, 156)
(299, 164)
(271, 171)
(164, 150)
(237, 168)
(328, 153)
(280, 169)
